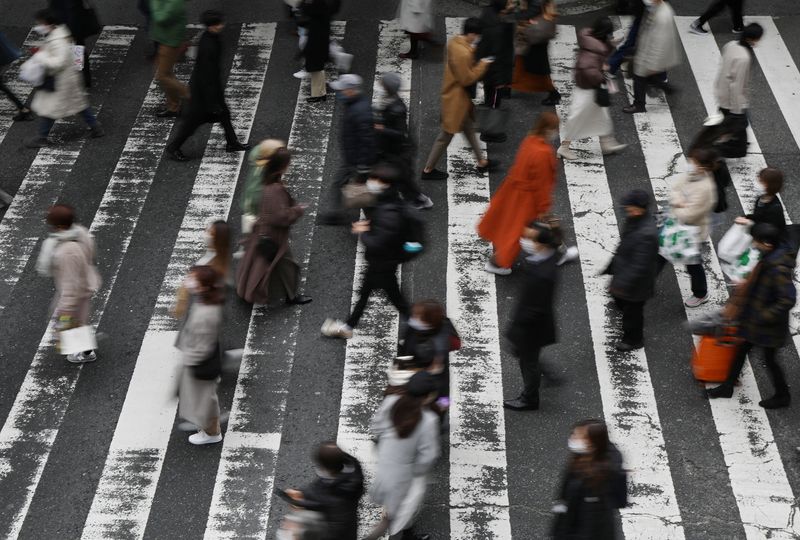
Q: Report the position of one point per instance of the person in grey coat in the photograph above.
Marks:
(407, 434)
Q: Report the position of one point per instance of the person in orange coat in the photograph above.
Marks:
(525, 195)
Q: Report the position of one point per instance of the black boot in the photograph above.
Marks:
(724, 390)
(778, 401)
(553, 98)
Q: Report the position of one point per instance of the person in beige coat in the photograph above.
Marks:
(691, 200)
(67, 255)
(657, 50)
(460, 72)
(63, 93)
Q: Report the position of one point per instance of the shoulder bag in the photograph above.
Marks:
(211, 367)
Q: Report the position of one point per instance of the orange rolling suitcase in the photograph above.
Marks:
(714, 355)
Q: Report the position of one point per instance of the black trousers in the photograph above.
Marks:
(736, 7)
(770, 358)
(640, 85)
(632, 320)
(492, 96)
(194, 120)
(14, 99)
(379, 279)
(696, 273)
(531, 374)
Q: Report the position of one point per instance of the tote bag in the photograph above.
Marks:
(678, 242)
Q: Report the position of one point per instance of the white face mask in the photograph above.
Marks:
(41, 29)
(578, 446)
(691, 168)
(374, 186)
(648, 3)
(283, 534)
(527, 245)
(417, 324)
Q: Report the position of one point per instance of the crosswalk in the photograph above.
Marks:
(495, 479)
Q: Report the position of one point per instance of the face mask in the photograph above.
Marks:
(41, 29)
(374, 186)
(527, 246)
(692, 168)
(477, 40)
(577, 446)
(648, 3)
(283, 534)
(417, 324)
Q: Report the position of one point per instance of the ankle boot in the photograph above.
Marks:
(724, 390)
(565, 152)
(610, 145)
(778, 401)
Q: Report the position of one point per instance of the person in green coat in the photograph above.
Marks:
(168, 26)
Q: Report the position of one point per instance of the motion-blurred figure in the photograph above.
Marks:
(82, 23)
(258, 158)
(715, 8)
(168, 31)
(315, 18)
(8, 54)
(416, 18)
(532, 65)
(497, 40)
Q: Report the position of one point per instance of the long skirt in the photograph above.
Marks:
(409, 506)
(586, 118)
(197, 399)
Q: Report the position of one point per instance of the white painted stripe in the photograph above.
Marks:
(22, 224)
(629, 404)
(374, 343)
(758, 479)
(121, 505)
(32, 424)
(20, 88)
(478, 478)
(242, 498)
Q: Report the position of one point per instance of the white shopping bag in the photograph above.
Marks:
(248, 222)
(678, 242)
(734, 243)
(77, 56)
(32, 72)
(77, 340)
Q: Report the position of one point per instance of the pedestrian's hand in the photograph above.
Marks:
(606, 67)
(741, 220)
(295, 494)
(360, 226)
(302, 205)
(488, 59)
(379, 127)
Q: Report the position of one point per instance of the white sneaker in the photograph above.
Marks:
(570, 254)
(695, 28)
(565, 152)
(81, 357)
(336, 329)
(610, 145)
(694, 301)
(188, 426)
(499, 270)
(302, 74)
(201, 437)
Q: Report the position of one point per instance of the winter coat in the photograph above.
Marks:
(769, 212)
(460, 72)
(401, 460)
(497, 39)
(428, 345)
(416, 16)
(277, 213)
(533, 324)
(168, 22)
(657, 46)
(393, 139)
(764, 314)
(207, 88)
(69, 96)
(358, 132)
(633, 266)
(537, 37)
(316, 18)
(732, 87)
(71, 13)
(592, 54)
(697, 196)
(525, 194)
(337, 499)
(383, 242)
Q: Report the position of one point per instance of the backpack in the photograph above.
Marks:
(412, 233)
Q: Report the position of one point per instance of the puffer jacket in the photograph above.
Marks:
(592, 54)
(358, 134)
(69, 97)
(634, 264)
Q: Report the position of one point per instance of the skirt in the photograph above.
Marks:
(524, 81)
(586, 118)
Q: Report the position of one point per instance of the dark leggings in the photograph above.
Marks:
(770, 359)
(696, 273)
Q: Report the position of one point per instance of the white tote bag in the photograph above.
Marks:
(32, 72)
(734, 243)
(77, 340)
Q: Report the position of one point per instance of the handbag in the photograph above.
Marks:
(356, 195)
(89, 24)
(714, 355)
(267, 248)
(492, 121)
(602, 96)
(736, 241)
(678, 242)
(8, 51)
(211, 367)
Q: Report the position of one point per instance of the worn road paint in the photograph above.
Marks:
(242, 497)
(20, 88)
(121, 505)
(626, 389)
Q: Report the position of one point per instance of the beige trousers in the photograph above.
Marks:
(318, 83)
(443, 141)
(172, 87)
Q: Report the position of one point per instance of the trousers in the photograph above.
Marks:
(770, 359)
(379, 279)
(531, 374)
(632, 320)
(46, 124)
(172, 87)
(640, 85)
(736, 7)
(195, 119)
(696, 273)
(443, 141)
(626, 49)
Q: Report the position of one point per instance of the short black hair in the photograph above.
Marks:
(330, 457)
(472, 26)
(47, 16)
(212, 17)
(752, 31)
(766, 233)
(602, 28)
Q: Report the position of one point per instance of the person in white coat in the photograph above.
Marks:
(63, 93)
(657, 50)
(416, 18)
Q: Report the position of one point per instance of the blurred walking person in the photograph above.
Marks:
(208, 92)
(316, 16)
(268, 269)
(497, 41)
(217, 256)
(593, 487)
(767, 207)
(761, 307)
(587, 118)
(657, 50)
(81, 19)
(633, 268)
(8, 54)
(627, 49)
(62, 94)
(168, 31)
(258, 158)
(416, 18)
(407, 436)
(67, 255)
(201, 357)
(532, 64)
(460, 73)
(736, 8)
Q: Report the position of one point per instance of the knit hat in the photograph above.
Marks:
(391, 82)
(421, 384)
(266, 149)
(346, 81)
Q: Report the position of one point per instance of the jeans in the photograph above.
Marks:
(770, 359)
(46, 124)
(696, 273)
(736, 7)
(626, 49)
(531, 374)
(380, 279)
(632, 320)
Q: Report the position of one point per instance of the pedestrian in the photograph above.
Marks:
(407, 436)
(334, 493)
(268, 269)
(692, 199)
(497, 41)
(428, 338)
(416, 19)
(144, 8)
(358, 142)
(82, 23)
(460, 73)
(657, 50)
(736, 8)
(732, 89)
(383, 240)
(533, 324)
(761, 307)
(67, 255)
(633, 268)
(593, 487)
(394, 142)
(587, 118)
(627, 49)
(768, 207)
(200, 366)
(8, 54)
(316, 17)
(168, 30)
(62, 94)
(532, 64)
(217, 256)
(208, 92)
(257, 159)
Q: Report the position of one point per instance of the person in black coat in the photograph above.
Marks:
(334, 493)
(383, 238)
(208, 91)
(497, 40)
(315, 17)
(533, 325)
(81, 25)
(358, 142)
(427, 338)
(634, 268)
